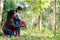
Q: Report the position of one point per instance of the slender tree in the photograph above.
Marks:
(40, 18)
(1, 7)
(54, 10)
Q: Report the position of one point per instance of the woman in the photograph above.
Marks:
(9, 25)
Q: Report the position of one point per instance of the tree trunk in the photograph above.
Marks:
(39, 23)
(32, 20)
(54, 10)
(1, 7)
(40, 18)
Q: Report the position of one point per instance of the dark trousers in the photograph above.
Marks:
(16, 32)
(17, 22)
(12, 32)
(9, 32)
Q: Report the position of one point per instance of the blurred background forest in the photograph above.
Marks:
(39, 15)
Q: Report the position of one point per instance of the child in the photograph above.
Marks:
(18, 19)
(9, 25)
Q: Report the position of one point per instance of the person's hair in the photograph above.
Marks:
(19, 8)
(9, 14)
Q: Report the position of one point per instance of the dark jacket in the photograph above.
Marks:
(9, 25)
(17, 19)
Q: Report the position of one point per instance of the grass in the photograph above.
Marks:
(44, 34)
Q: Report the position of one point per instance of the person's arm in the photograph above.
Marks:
(12, 25)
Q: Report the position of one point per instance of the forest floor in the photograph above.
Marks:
(26, 34)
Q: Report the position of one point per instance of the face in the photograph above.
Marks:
(20, 11)
(14, 15)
